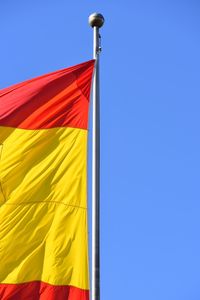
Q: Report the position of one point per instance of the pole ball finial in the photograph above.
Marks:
(96, 19)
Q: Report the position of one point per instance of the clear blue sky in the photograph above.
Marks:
(150, 107)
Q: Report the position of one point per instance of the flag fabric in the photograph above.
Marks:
(43, 187)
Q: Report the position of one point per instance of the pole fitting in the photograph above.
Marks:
(96, 20)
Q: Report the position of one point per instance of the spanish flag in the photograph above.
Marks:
(43, 188)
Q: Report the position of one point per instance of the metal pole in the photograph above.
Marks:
(96, 21)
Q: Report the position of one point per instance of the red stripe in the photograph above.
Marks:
(58, 99)
(41, 291)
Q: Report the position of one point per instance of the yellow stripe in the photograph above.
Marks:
(43, 216)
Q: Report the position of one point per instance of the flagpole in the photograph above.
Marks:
(96, 21)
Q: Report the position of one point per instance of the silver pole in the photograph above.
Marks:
(96, 21)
